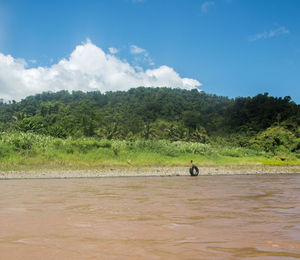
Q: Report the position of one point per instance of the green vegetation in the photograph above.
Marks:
(33, 151)
(147, 126)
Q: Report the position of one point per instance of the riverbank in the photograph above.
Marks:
(148, 172)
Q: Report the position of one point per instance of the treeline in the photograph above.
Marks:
(158, 113)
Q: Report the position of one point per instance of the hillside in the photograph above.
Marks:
(262, 123)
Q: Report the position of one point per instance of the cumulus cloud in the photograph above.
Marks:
(269, 34)
(88, 68)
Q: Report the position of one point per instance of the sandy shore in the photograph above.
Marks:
(148, 171)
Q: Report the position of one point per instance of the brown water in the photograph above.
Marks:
(212, 217)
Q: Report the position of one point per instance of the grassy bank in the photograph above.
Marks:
(21, 151)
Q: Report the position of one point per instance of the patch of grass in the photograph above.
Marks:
(32, 151)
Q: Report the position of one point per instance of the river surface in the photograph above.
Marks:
(204, 217)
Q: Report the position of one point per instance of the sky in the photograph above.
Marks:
(225, 47)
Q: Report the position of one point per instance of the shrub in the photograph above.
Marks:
(33, 124)
(5, 150)
(274, 139)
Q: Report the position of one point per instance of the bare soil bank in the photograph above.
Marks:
(149, 171)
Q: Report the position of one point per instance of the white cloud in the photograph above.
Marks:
(206, 6)
(136, 50)
(141, 55)
(88, 68)
(270, 34)
(113, 50)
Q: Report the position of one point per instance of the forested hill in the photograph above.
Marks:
(150, 113)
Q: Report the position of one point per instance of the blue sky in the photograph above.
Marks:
(232, 47)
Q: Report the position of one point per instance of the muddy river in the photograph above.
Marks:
(207, 217)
